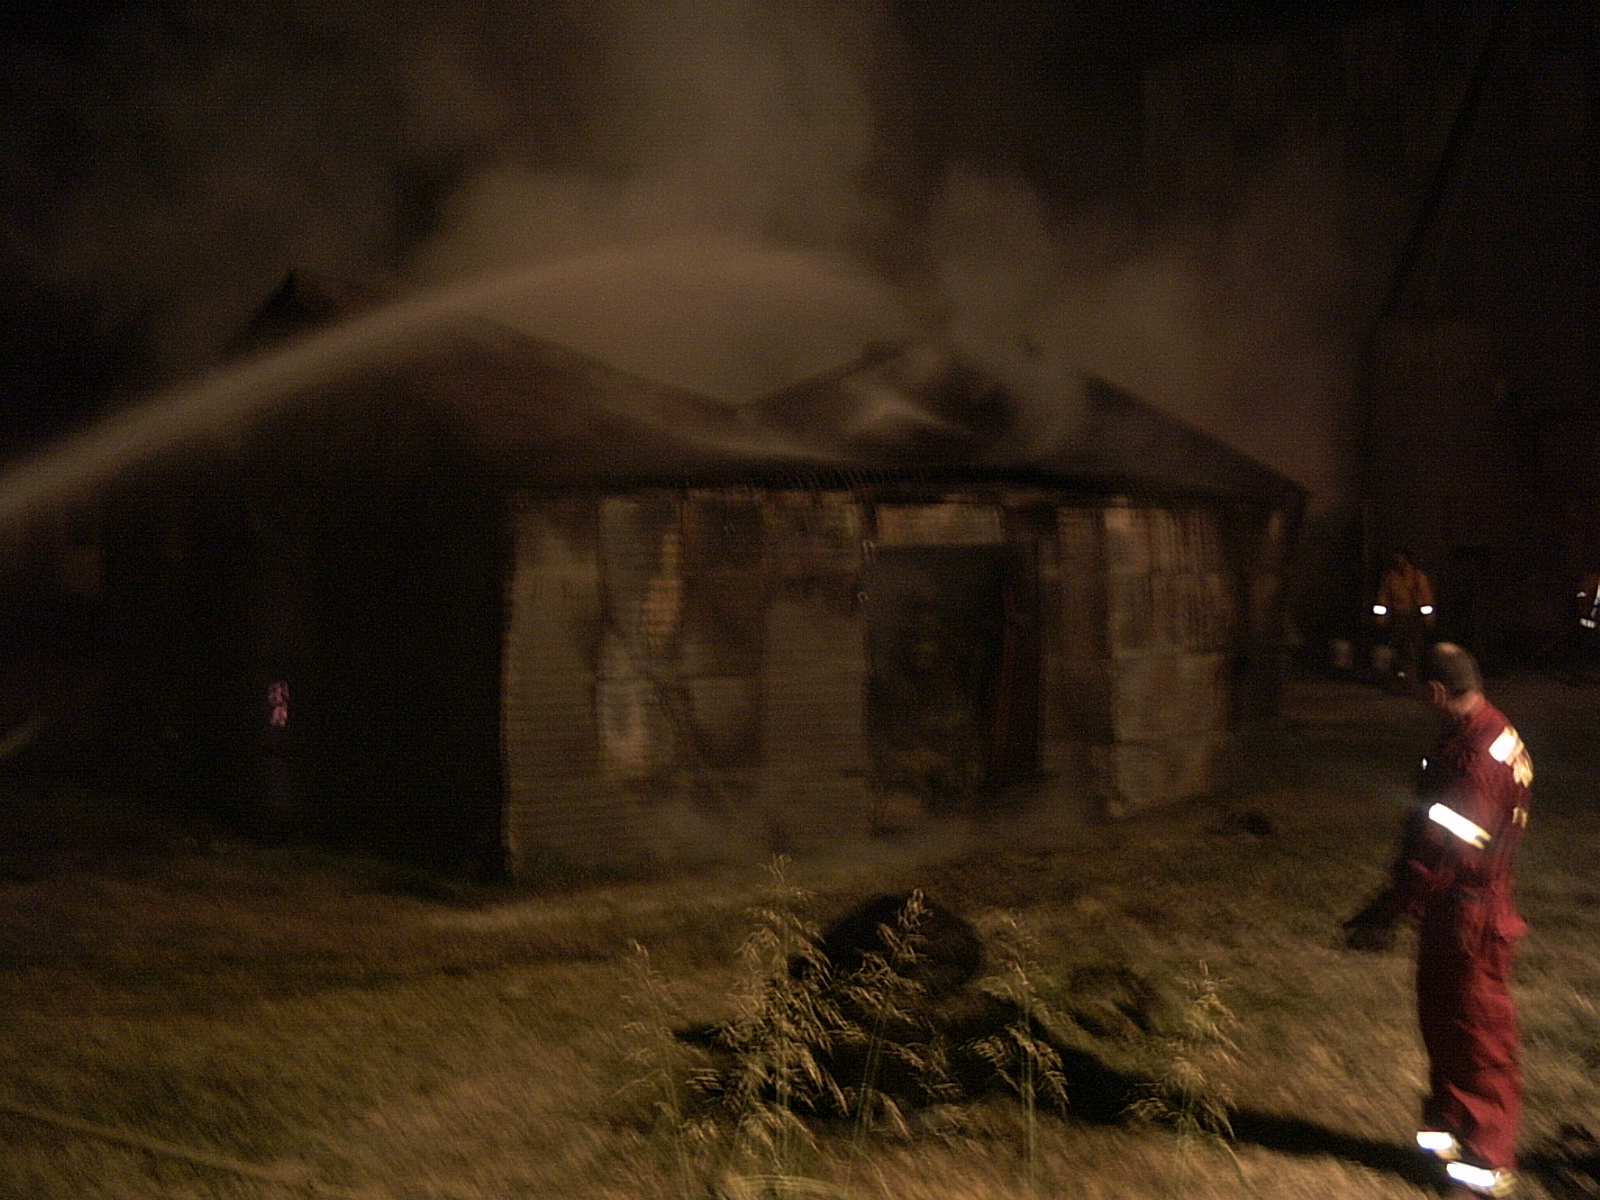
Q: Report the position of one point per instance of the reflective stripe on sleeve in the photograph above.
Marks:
(1464, 829)
(1508, 749)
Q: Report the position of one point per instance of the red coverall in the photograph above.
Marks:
(1453, 876)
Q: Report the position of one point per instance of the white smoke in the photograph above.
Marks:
(736, 117)
(1239, 323)
(241, 141)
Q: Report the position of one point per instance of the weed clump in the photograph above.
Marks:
(841, 1027)
(784, 1026)
(848, 1034)
(887, 1000)
(1022, 1053)
(667, 1074)
(1183, 1094)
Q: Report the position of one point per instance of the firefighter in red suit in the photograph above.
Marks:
(1453, 877)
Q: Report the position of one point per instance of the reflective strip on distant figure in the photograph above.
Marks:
(1585, 622)
(1464, 829)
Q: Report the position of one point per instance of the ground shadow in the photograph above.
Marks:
(1100, 1094)
(1294, 1135)
(1568, 1167)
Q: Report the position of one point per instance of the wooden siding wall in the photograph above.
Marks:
(683, 676)
(556, 794)
(1170, 626)
(1078, 710)
(814, 788)
(685, 671)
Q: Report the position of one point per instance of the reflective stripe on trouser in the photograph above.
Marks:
(1438, 1143)
(1469, 1026)
(1481, 1179)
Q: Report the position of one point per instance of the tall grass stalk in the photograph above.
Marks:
(1024, 1059)
(1183, 1095)
(890, 1010)
(783, 1020)
(666, 1073)
(884, 992)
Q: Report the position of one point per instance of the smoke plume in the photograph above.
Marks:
(181, 157)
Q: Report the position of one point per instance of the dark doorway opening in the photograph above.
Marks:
(952, 669)
(399, 725)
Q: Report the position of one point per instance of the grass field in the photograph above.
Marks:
(186, 1017)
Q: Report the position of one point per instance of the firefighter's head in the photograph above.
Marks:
(1452, 678)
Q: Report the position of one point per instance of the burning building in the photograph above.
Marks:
(761, 653)
(514, 602)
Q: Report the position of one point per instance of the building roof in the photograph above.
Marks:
(800, 371)
(546, 415)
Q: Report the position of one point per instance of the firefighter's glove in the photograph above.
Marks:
(1371, 931)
